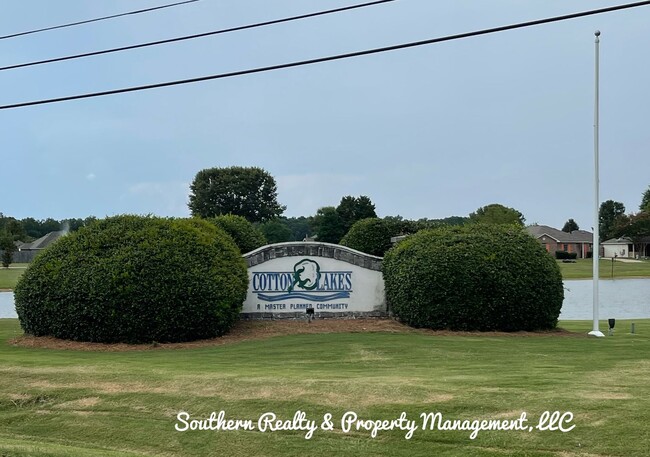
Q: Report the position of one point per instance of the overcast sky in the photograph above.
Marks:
(433, 131)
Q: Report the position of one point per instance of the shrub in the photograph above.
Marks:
(372, 235)
(247, 237)
(476, 277)
(565, 255)
(134, 279)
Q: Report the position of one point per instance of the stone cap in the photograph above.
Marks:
(313, 249)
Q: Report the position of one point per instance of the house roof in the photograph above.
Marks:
(622, 240)
(43, 241)
(577, 236)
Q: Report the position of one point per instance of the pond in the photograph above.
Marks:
(619, 299)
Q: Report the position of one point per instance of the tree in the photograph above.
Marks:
(636, 227)
(610, 216)
(497, 214)
(300, 227)
(12, 227)
(645, 201)
(7, 247)
(570, 226)
(328, 225)
(276, 231)
(353, 209)
(243, 191)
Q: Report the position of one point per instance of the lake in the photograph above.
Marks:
(619, 299)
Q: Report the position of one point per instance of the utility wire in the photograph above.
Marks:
(199, 35)
(87, 21)
(331, 58)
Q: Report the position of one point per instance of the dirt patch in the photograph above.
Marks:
(259, 330)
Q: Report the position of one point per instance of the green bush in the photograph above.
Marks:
(477, 277)
(247, 237)
(134, 279)
(372, 235)
(565, 255)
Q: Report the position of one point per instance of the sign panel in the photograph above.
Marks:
(294, 284)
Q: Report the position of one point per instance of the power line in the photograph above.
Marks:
(191, 37)
(331, 58)
(87, 21)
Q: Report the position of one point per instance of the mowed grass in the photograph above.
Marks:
(74, 403)
(9, 277)
(583, 269)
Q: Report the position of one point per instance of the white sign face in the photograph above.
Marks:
(294, 284)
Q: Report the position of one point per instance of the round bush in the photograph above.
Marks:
(477, 277)
(136, 280)
(247, 237)
(372, 235)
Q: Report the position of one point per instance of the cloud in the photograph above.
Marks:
(90, 176)
(161, 198)
(304, 194)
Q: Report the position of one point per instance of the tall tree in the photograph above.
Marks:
(497, 214)
(248, 192)
(352, 209)
(645, 201)
(328, 225)
(570, 226)
(610, 216)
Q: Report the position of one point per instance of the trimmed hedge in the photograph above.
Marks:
(372, 235)
(134, 279)
(565, 255)
(246, 236)
(476, 277)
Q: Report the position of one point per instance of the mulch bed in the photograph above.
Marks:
(259, 330)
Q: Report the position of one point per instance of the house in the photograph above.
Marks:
(626, 247)
(578, 241)
(42, 242)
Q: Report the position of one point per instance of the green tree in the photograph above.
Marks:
(636, 227)
(246, 236)
(353, 209)
(12, 227)
(250, 192)
(276, 231)
(328, 225)
(570, 226)
(611, 216)
(497, 214)
(645, 201)
(300, 227)
(7, 247)
(372, 235)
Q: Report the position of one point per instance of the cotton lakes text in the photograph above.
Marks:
(555, 421)
(281, 282)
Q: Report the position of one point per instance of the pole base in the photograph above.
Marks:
(596, 333)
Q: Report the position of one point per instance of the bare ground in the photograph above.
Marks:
(258, 330)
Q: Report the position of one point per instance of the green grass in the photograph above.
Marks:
(583, 269)
(9, 277)
(73, 403)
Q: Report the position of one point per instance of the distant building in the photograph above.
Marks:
(579, 241)
(42, 242)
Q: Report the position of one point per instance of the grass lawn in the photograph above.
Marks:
(583, 269)
(9, 276)
(73, 403)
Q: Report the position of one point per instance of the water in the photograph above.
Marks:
(7, 308)
(619, 299)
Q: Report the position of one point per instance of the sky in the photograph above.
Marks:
(432, 131)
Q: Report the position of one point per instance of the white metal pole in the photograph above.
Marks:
(596, 240)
